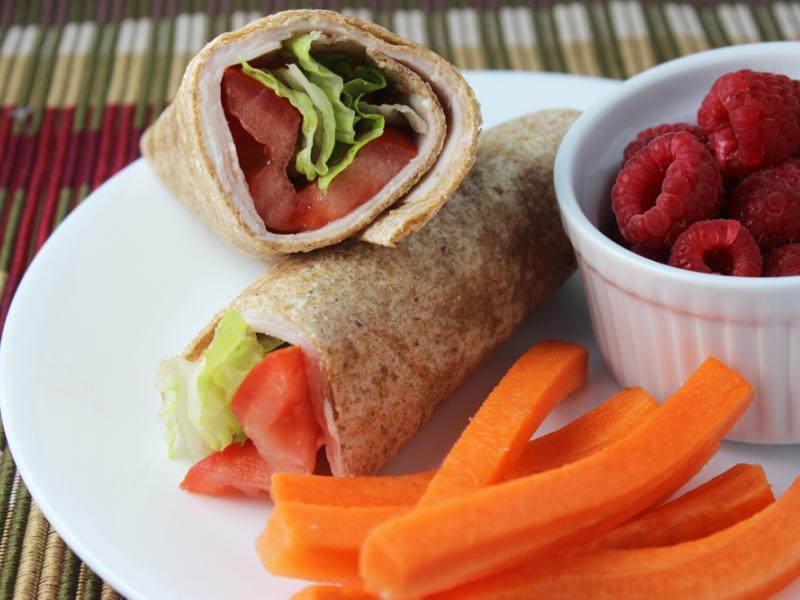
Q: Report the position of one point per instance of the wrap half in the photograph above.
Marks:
(260, 167)
(388, 333)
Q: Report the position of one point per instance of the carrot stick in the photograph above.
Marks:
(279, 557)
(376, 490)
(327, 535)
(330, 527)
(465, 538)
(601, 426)
(333, 592)
(730, 503)
(589, 433)
(736, 494)
(489, 446)
(721, 502)
(318, 528)
(755, 558)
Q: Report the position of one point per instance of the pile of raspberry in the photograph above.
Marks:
(722, 196)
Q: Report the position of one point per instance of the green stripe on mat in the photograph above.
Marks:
(88, 78)
(70, 572)
(42, 75)
(26, 89)
(146, 81)
(105, 60)
(492, 17)
(166, 40)
(618, 61)
(9, 235)
(11, 545)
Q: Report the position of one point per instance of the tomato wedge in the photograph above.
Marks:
(265, 128)
(274, 408)
(237, 467)
(372, 168)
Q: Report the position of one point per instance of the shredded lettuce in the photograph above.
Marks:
(196, 397)
(228, 359)
(329, 94)
(365, 80)
(328, 81)
(371, 128)
(325, 136)
(175, 379)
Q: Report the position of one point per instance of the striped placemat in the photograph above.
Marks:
(80, 81)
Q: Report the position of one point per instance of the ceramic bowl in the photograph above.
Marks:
(654, 323)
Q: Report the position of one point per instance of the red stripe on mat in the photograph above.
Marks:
(20, 147)
(71, 169)
(39, 149)
(123, 137)
(89, 141)
(136, 138)
(105, 154)
(24, 152)
(17, 153)
(56, 177)
(5, 130)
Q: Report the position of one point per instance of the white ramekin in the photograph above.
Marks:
(655, 323)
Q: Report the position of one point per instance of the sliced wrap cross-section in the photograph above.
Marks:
(193, 150)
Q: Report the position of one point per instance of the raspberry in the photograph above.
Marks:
(783, 261)
(768, 204)
(668, 185)
(721, 246)
(751, 120)
(645, 136)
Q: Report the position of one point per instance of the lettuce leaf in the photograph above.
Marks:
(301, 101)
(328, 81)
(196, 396)
(332, 93)
(364, 80)
(175, 380)
(324, 136)
(372, 126)
(228, 359)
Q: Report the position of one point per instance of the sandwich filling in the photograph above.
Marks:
(241, 411)
(318, 131)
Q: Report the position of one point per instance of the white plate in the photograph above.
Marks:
(129, 278)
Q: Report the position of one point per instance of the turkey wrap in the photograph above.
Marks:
(388, 333)
(308, 127)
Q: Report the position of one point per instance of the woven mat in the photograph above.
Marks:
(79, 82)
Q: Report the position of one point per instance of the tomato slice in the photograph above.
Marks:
(372, 168)
(273, 406)
(237, 467)
(265, 128)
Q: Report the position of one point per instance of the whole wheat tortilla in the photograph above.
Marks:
(389, 333)
(192, 151)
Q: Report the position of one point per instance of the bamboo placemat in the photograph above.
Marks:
(80, 81)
